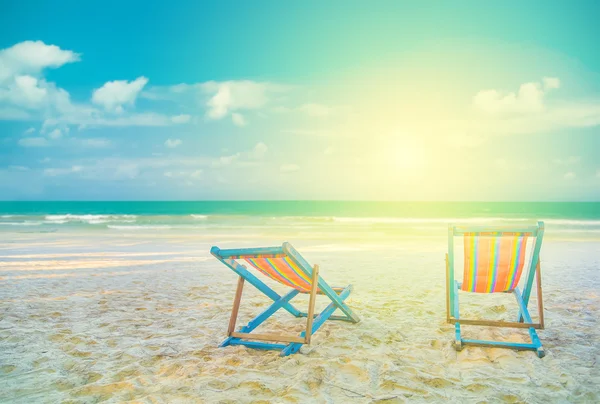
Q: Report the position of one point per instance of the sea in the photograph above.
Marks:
(354, 219)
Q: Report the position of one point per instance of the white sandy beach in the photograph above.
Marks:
(137, 316)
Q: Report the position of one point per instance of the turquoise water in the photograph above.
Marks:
(518, 210)
(581, 219)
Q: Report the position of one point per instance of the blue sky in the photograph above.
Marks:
(299, 100)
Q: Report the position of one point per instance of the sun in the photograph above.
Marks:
(407, 156)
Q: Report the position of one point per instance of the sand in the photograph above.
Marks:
(137, 317)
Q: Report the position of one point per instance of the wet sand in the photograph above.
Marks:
(137, 317)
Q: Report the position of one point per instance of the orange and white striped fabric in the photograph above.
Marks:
(493, 263)
(283, 270)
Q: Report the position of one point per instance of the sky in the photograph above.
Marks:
(337, 100)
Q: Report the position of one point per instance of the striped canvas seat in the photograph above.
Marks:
(493, 263)
(283, 270)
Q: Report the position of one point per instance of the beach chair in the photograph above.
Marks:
(494, 260)
(286, 266)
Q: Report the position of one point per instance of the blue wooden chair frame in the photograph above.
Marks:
(252, 340)
(524, 318)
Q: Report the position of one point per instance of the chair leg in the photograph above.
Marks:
(258, 320)
(540, 300)
(535, 345)
(448, 308)
(458, 340)
(311, 304)
(236, 306)
(318, 321)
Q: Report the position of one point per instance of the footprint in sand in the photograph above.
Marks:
(436, 382)
(370, 340)
(511, 398)
(79, 354)
(7, 368)
(64, 384)
(257, 388)
(104, 392)
(392, 385)
(476, 387)
(233, 362)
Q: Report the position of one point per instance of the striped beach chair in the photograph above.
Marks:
(494, 261)
(286, 266)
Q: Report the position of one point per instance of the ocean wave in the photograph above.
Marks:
(411, 220)
(154, 227)
(446, 221)
(26, 223)
(200, 217)
(569, 222)
(141, 227)
(91, 219)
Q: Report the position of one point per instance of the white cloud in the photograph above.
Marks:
(127, 170)
(551, 83)
(183, 118)
(94, 119)
(226, 160)
(230, 96)
(259, 151)
(96, 143)
(571, 160)
(29, 131)
(569, 176)
(195, 175)
(18, 168)
(25, 91)
(14, 114)
(113, 95)
(172, 143)
(238, 119)
(30, 57)
(34, 142)
(20, 84)
(528, 99)
(287, 168)
(556, 117)
(55, 134)
(527, 112)
(227, 97)
(53, 172)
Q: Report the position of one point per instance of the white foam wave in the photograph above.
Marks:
(445, 221)
(26, 223)
(567, 222)
(90, 219)
(200, 217)
(154, 227)
(411, 220)
(142, 227)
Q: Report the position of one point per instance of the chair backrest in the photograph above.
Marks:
(495, 258)
(275, 263)
(283, 270)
